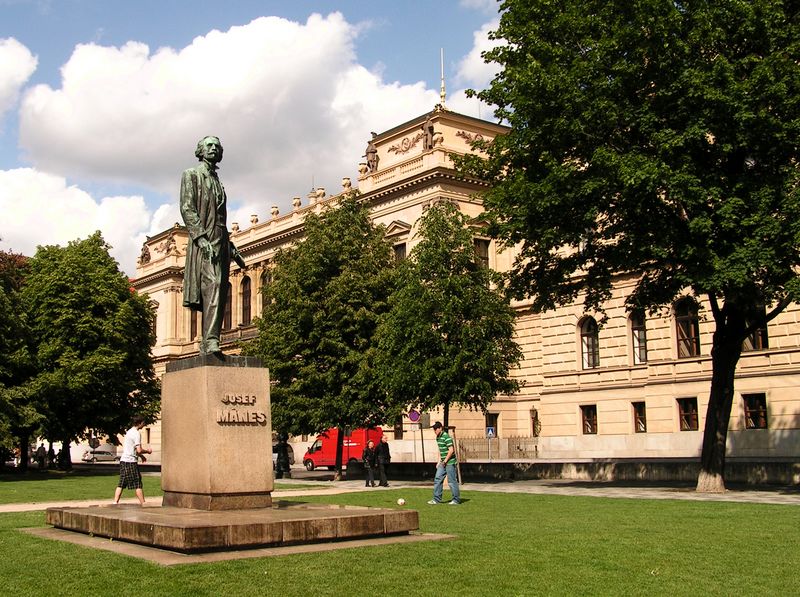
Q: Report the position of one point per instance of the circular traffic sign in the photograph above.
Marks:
(413, 416)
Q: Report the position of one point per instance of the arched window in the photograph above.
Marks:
(687, 327)
(266, 276)
(590, 343)
(226, 318)
(246, 316)
(759, 339)
(638, 337)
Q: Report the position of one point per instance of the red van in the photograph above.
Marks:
(323, 451)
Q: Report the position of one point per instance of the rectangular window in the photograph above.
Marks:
(755, 411)
(482, 252)
(639, 417)
(589, 416)
(398, 428)
(492, 420)
(400, 252)
(687, 412)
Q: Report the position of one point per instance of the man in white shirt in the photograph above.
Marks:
(129, 475)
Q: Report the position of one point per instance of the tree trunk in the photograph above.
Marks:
(724, 357)
(446, 421)
(64, 457)
(23, 452)
(337, 476)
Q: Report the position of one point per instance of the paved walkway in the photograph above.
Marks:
(761, 495)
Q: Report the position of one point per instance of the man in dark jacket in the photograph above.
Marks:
(368, 459)
(383, 460)
(282, 467)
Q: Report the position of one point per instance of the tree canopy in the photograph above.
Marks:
(655, 138)
(448, 337)
(321, 309)
(17, 416)
(92, 336)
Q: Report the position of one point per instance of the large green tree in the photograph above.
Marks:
(655, 138)
(18, 418)
(92, 335)
(448, 337)
(321, 308)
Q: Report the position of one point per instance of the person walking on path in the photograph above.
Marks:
(41, 455)
(368, 459)
(384, 458)
(130, 477)
(445, 467)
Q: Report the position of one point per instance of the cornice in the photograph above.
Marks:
(173, 271)
(437, 174)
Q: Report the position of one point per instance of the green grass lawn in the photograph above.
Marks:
(48, 486)
(95, 484)
(506, 544)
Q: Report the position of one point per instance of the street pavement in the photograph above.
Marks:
(760, 495)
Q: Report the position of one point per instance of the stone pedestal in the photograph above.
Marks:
(216, 472)
(188, 531)
(217, 434)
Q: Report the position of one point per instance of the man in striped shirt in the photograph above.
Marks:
(445, 467)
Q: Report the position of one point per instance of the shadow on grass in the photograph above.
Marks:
(678, 486)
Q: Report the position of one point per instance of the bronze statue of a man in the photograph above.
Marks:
(209, 252)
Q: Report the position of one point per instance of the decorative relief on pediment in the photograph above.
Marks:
(470, 137)
(407, 144)
(168, 246)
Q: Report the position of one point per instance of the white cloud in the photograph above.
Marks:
(46, 210)
(288, 100)
(17, 64)
(473, 71)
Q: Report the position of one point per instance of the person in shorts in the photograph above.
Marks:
(129, 475)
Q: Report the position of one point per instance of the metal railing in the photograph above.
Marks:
(498, 448)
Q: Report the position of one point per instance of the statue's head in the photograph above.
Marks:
(203, 146)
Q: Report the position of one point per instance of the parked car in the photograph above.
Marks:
(99, 456)
(275, 455)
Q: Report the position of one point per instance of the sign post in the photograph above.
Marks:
(415, 417)
(489, 436)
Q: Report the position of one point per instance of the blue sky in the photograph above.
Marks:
(102, 102)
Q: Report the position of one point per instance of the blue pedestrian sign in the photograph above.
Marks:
(490, 432)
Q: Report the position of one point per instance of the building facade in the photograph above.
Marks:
(635, 387)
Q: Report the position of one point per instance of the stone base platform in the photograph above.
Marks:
(193, 531)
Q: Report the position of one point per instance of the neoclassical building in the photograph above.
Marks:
(634, 387)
